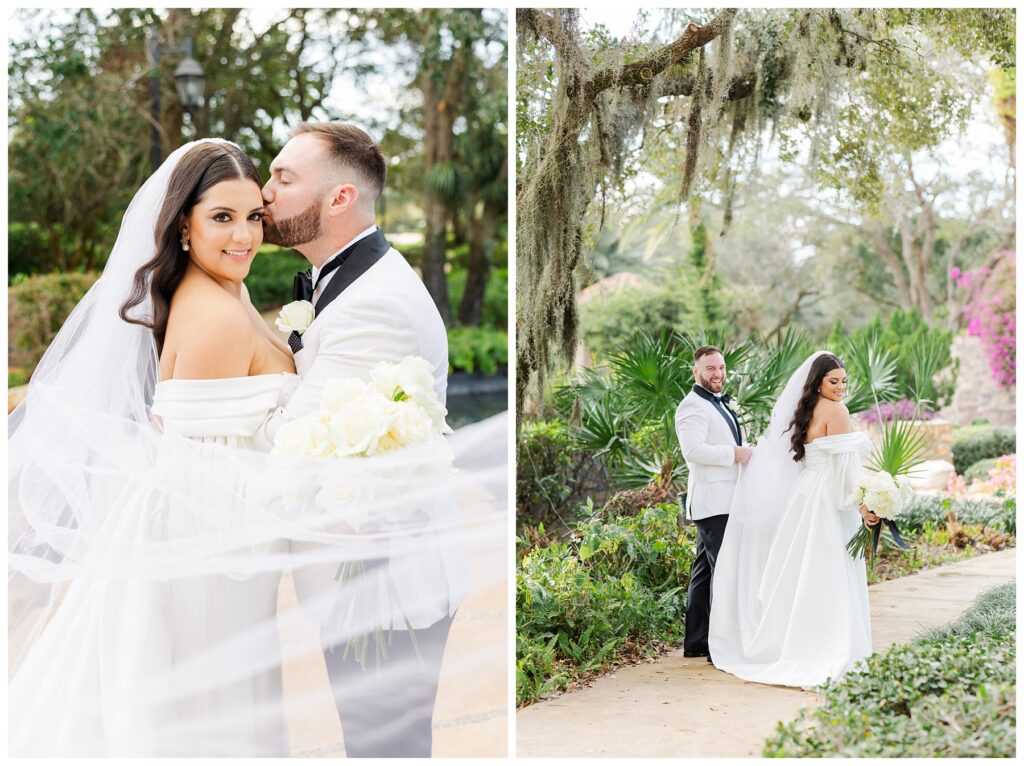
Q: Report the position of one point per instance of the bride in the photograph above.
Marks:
(148, 520)
(790, 605)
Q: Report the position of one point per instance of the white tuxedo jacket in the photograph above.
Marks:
(385, 315)
(707, 443)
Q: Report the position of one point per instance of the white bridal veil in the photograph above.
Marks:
(765, 483)
(763, 490)
(127, 544)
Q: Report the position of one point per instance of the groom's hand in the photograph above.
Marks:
(742, 454)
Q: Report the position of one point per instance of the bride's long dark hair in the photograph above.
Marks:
(202, 168)
(801, 421)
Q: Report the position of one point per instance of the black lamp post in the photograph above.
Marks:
(189, 80)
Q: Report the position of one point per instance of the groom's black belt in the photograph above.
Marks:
(725, 412)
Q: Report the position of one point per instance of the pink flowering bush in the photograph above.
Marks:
(990, 311)
(904, 409)
(1001, 479)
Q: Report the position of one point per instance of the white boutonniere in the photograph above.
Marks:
(295, 317)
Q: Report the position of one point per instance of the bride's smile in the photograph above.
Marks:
(225, 229)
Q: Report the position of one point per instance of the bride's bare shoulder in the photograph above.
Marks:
(834, 416)
(208, 332)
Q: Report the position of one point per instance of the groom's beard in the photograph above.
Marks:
(297, 230)
(705, 383)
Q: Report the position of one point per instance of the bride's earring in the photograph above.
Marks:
(184, 241)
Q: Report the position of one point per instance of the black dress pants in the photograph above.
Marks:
(710, 532)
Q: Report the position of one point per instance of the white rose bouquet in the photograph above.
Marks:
(396, 408)
(886, 496)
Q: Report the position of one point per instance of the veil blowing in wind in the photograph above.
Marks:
(137, 622)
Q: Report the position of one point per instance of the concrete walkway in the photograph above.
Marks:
(679, 707)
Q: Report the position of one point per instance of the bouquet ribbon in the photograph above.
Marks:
(877, 533)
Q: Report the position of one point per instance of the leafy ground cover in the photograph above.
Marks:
(951, 693)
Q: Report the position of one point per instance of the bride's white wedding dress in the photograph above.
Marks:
(91, 682)
(789, 604)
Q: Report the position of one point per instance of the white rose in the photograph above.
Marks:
(358, 427)
(305, 437)
(341, 392)
(346, 501)
(413, 425)
(295, 317)
(411, 378)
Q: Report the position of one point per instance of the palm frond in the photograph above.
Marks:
(871, 373)
(903, 446)
(652, 375)
(603, 428)
(925, 362)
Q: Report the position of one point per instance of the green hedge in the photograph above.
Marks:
(271, 276)
(477, 349)
(37, 307)
(974, 443)
(28, 250)
(579, 602)
(952, 693)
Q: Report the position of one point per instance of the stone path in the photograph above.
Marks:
(681, 707)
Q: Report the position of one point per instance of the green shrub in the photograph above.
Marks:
(578, 602)
(951, 693)
(37, 307)
(271, 276)
(902, 334)
(28, 250)
(477, 349)
(974, 443)
(980, 470)
(544, 480)
(609, 322)
(997, 513)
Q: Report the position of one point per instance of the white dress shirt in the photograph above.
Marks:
(318, 290)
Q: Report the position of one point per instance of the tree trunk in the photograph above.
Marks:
(437, 141)
(461, 225)
(481, 242)
(439, 99)
(481, 245)
(433, 261)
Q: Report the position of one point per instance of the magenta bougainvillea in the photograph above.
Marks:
(904, 409)
(990, 311)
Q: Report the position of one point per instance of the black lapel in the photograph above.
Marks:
(360, 258)
(731, 419)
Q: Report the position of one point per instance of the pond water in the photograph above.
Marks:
(464, 409)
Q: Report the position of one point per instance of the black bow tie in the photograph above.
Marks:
(302, 287)
(723, 399)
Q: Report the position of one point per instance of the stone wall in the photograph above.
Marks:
(977, 394)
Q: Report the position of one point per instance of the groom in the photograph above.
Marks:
(712, 444)
(370, 306)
